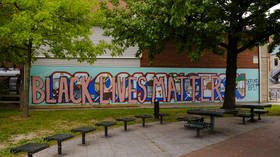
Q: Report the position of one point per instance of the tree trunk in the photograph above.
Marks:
(231, 70)
(25, 90)
(26, 81)
(21, 95)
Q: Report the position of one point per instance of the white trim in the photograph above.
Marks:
(105, 62)
(260, 74)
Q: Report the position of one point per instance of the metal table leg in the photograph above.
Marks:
(59, 147)
(212, 122)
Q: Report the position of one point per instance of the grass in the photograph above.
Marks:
(15, 130)
(274, 110)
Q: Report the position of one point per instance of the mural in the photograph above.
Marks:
(88, 85)
(274, 76)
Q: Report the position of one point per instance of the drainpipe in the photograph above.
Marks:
(260, 76)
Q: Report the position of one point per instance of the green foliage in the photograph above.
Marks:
(55, 28)
(141, 24)
(195, 25)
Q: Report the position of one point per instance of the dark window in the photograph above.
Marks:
(275, 61)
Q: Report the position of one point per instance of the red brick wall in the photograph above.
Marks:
(170, 58)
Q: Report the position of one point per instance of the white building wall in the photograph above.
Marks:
(127, 59)
(102, 62)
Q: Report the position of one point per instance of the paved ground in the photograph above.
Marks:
(260, 142)
(230, 138)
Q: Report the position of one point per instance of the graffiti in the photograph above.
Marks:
(138, 87)
(253, 84)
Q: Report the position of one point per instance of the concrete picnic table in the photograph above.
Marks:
(252, 107)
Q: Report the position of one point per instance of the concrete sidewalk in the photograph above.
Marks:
(260, 142)
(167, 140)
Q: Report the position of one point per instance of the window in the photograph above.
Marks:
(275, 61)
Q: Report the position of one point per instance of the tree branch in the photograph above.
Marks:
(254, 42)
(18, 47)
(257, 13)
(15, 4)
(224, 45)
(260, 38)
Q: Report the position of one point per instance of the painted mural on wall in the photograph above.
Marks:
(88, 85)
(274, 76)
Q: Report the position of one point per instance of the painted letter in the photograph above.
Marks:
(181, 78)
(171, 88)
(37, 89)
(121, 88)
(48, 94)
(160, 83)
(63, 89)
(101, 91)
(193, 78)
(113, 89)
(72, 85)
(202, 87)
(85, 94)
(144, 94)
(216, 87)
(131, 90)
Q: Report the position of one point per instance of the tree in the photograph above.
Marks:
(55, 28)
(197, 25)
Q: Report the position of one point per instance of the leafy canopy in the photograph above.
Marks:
(195, 25)
(55, 28)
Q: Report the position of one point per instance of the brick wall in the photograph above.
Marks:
(170, 58)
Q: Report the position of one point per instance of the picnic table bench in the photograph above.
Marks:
(194, 122)
(197, 125)
(209, 112)
(125, 120)
(83, 131)
(30, 148)
(244, 115)
(106, 124)
(259, 112)
(143, 117)
(59, 138)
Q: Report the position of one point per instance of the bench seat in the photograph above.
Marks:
(83, 131)
(197, 125)
(30, 148)
(259, 112)
(244, 115)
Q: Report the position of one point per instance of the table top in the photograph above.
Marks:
(189, 118)
(106, 123)
(60, 137)
(144, 116)
(163, 114)
(210, 112)
(126, 119)
(257, 106)
(84, 129)
(30, 148)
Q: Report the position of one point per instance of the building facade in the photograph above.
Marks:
(126, 79)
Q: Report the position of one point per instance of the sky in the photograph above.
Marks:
(275, 8)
